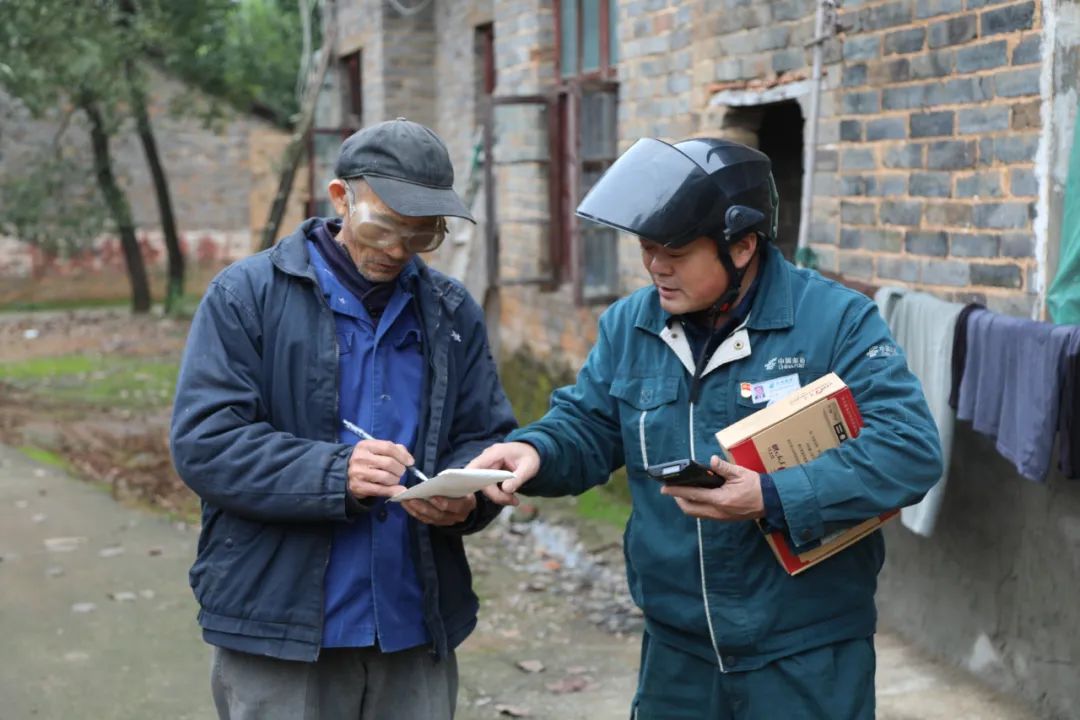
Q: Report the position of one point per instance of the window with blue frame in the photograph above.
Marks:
(588, 41)
(587, 57)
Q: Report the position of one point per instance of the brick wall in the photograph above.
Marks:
(545, 320)
(933, 171)
(399, 52)
(221, 178)
(929, 125)
(456, 72)
(408, 58)
(359, 27)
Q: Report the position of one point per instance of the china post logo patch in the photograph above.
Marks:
(796, 362)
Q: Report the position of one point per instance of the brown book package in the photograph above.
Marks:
(794, 430)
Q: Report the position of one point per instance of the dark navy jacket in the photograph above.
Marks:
(254, 433)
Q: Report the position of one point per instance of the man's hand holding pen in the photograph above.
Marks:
(376, 467)
(375, 470)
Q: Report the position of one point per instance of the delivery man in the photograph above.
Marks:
(728, 633)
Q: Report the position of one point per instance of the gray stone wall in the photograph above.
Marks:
(926, 171)
(545, 319)
(456, 72)
(408, 48)
(938, 112)
(993, 589)
(207, 166)
(359, 28)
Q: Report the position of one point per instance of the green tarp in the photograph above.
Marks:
(1063, 298)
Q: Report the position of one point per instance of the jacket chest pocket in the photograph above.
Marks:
(652, 429)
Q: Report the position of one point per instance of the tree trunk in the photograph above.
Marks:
(295, 148)
(174, 290)
(118, 206)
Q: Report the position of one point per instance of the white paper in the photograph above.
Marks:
(454, 483)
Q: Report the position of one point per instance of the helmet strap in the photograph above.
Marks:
(735, 276)
(722, 305)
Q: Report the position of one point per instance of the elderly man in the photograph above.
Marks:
(320, 598)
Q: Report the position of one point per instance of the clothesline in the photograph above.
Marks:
(1015, 380)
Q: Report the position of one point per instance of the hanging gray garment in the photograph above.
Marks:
(924, 327)
(1012, 383)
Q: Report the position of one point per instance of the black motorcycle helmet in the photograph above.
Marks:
(674, 194)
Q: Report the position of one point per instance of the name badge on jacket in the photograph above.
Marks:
(767, 392)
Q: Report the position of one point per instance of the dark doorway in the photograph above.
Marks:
(780, 136)
(777, 130)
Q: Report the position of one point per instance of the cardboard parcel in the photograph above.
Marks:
(795, 430)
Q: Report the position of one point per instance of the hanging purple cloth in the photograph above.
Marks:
(959, 351)
(1012, 384)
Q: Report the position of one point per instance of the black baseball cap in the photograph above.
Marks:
(407, 166)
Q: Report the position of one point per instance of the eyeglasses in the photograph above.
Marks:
(382, 232)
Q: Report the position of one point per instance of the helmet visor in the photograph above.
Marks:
(655, 192)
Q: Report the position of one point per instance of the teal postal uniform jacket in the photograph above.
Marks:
(714, 588)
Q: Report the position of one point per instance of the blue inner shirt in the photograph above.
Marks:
(372, 593)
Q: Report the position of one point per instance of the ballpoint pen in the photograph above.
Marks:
(365, 435)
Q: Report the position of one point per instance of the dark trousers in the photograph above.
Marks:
(343, 684)
(834, 682)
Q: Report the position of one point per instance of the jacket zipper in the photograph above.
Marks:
(701, 557)
(701, 549)
(337, 414)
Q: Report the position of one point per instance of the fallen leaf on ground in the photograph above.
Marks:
(531, 666)
(569, 684)
(512, 710)
(63, 544)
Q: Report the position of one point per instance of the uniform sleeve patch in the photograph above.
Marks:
(879, 351)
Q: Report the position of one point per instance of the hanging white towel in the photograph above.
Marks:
(924, 327)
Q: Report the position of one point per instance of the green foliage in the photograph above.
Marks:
(247, 52)
(58, 55)
(609, 504)
(529, 381)
(54, 50)
(46, 457)
(51, 206)
(95, 380)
